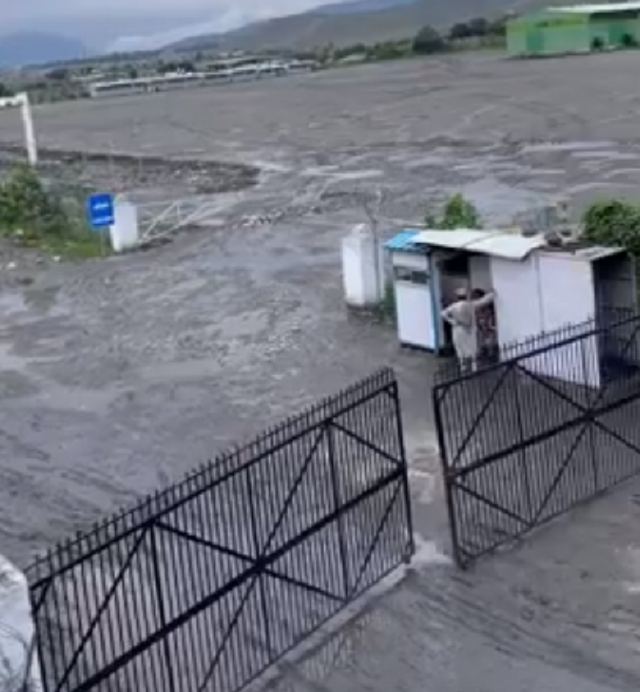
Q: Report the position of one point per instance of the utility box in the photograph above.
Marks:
(362, 268)
(125, 232)
(413, 288)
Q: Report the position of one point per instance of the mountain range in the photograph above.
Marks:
(353, 21)
(358, 21)
(27, 48)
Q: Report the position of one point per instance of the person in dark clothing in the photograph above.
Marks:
(486, 326)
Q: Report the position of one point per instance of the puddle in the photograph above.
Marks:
(320, 171)
(181, 371)
(10, 361)
(359, 175)
(550, 147)
(12, 304)
(608, 155)
(599, 186)
(97, 401)
(43, 301)
(423, 162)
(30, 303)
(630, 172)
(270, 167)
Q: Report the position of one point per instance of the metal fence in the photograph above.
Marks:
(551, 423)
(204, 585)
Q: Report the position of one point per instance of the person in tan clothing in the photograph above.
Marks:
(462, 315)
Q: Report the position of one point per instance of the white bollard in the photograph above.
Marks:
(20, 669)
(362, 268)
(125, 232)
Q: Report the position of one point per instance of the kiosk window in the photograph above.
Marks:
(412, 276)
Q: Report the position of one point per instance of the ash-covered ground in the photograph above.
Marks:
(118, 376)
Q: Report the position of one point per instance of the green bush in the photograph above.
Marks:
(45, 218)
(629, 41)
(613, 223)
(458, 212)
(428, 41)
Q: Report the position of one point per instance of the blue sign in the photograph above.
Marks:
(101, 211)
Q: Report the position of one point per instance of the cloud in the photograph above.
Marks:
(139, 24)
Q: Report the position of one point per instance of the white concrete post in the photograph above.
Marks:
(29, 132)
(19, 664)
(22, 101)
(362, 269)
(125, 232)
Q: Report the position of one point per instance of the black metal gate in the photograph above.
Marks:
(553, 423)
(204, 585)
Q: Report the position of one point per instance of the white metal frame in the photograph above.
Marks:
(159, 219)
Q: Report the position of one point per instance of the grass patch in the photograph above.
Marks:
(41, 217)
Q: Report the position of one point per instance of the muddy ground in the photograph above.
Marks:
(120, 375)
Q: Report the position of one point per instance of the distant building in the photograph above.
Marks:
(223, 72)
(575, 29)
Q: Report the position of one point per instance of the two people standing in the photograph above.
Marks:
(472, 322)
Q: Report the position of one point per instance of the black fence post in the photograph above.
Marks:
(160, 599)
(438, 393)
(524, 469)
(337, 505)
(259, 557)
(590, 403)
(411, 543)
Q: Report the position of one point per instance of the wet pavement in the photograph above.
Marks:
(119, 376)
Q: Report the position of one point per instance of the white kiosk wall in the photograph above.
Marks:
(541, 294)
(567, 296)
(518, 310)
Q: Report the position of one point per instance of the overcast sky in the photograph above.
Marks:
(139, 23)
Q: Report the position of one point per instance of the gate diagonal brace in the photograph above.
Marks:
(105, 602)
(489, 401)
(256, 563)
(590, 414)
(374, 541)
(292, 493)
(227, 635)
(491, 503)
(365, 443)
(586, 416)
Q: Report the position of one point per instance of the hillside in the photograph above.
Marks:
(330, 25)
(360, 6)
(31, 48)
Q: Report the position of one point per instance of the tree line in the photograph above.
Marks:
(479, 30)
(476, 32)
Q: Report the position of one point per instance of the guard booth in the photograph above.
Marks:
(540, 288)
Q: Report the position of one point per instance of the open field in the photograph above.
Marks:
(119, 376)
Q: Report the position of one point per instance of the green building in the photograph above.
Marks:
(575, 29)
